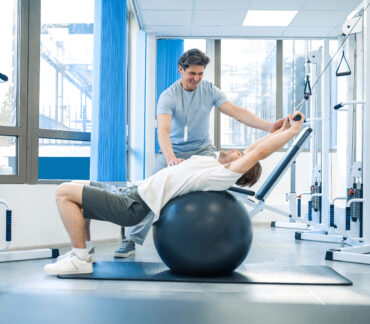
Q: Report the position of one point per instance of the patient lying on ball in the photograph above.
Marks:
(127, 206)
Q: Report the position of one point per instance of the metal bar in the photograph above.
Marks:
(279, 79)
(209, 74)
(26, 255)
(217, 129)
(10, 131)
(292, 176)
(322, 237)
(354, 200)
(259, 207)
(276, 210)
(325, 144)
(33, 90)
(356, 249)
(22, 105)
(366, 129)
(351, 257)
(292, 225)
(64, 135)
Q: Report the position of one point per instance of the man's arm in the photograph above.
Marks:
(285, 126)
(248, 118)
(164, 129)
(267, 145)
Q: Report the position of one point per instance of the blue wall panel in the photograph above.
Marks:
(64, 168)
(168, 54)
(108, 135)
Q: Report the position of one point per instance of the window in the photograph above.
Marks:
(294, 78)
(294, 59)
(10, 130)
(8, 63)
(8, 154)
(201, 44)
(191, 43)
(66, 65)
(248, 78)
(65, 102)
(47, 57)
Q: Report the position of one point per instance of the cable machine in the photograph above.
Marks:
(359, 175)
(320, 220)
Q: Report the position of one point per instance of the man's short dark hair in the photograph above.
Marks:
(250, 177)
(193, 57)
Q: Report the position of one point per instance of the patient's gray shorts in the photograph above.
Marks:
(122, 206)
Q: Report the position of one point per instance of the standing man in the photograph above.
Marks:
(183, 113)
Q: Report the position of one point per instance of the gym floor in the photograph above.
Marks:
(29, 295)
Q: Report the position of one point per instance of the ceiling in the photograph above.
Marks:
(224, 18)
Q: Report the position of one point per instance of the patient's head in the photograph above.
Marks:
(250, 177)
(229, 156)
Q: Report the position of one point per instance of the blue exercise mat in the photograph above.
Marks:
(248, 274)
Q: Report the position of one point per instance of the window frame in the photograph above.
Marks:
(279, 88)
(27, 129)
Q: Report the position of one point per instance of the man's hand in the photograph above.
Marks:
(277, 125)
(286, 123)
(296, 124)
(174, 161)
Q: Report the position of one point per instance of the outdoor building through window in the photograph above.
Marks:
(66, 69)
(9, 89)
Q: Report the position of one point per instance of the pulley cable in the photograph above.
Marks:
(306, 96)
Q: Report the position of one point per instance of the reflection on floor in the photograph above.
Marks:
(25, 289)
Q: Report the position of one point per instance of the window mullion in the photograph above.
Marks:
(217, 81)
(33, 90)
(64, 135)
(10, 131)
(279, 79)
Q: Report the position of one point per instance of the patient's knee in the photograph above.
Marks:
(62, 191)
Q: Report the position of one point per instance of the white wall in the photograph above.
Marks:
(36, 221)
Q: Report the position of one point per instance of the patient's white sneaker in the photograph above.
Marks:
(67, 255)
(70, 265)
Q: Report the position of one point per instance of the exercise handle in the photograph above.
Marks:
(338, 106)
(3, 77)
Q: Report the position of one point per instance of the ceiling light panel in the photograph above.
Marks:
(269, 17)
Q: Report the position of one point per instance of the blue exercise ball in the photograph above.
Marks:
(206, 233)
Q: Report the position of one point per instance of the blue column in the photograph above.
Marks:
(168, 54)
(108, 133)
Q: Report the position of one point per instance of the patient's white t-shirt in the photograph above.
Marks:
(199, 173)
